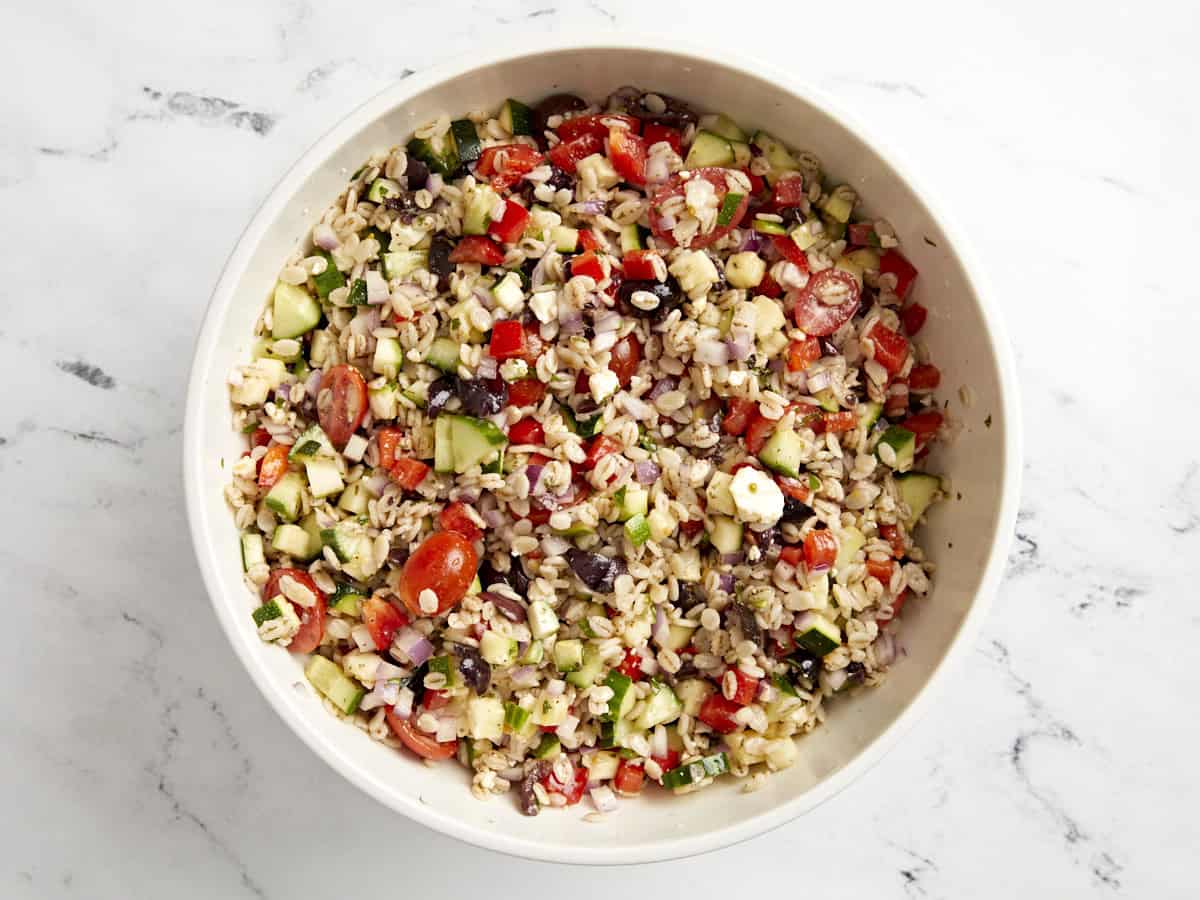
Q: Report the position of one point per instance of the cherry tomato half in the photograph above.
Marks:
(342, 412)
(814, 313)
(312, 618)
(674, 187)
(417, 741)
(445, 563)
(626, 355)
(383, 621)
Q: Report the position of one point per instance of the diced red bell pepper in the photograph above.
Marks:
(738, 412)
(455, 517)
(898, 603)
(519, 159)
(629, 779)
(893, 263)
(567, 154)
(627, 153)
(820, 549)
(639, 265)
(528, 431)
(792, 554)
(601, 446)
(572, 791)
(655, 133)
(477, 249)
(631, 666)
(891, 347)
(509, 227)
(913, 316)
(526, 392)
(388, 438)
(435, 699)
(924, 378)
(587, 239)
(838, 422)
(747, 688)
(924, 424)
(802, 353)
(598, 125)
(408, 473)
(896, 403)
(718, 714)
(880, 569)
(790, 251)
(891, 534)
(758, 431)
(508, 340)
(769, 287)
(588, 264)
(789, 192)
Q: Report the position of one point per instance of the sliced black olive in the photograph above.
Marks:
(554, 105)
(743, 616)
(475, 670)
(669, 294)
(791, 215)
(439, 260)
(794, 510)
(559, 179)
(856, 672)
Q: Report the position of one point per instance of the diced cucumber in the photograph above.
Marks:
(601, 765)
(564, 239)
(637, 530)
(568, 655)
(446, 667)
(323, 343)
(587, 673)
(725, 534)
(828, 399)
(708, 149)
(485, 719)
(443, 354)
(767, 226)
(443, 450)
(720, 497)
(516, 117)
(662, 707)
(632, 501)
(868, 413)
(497, 649)
(478, 214)
(252, 551)
(551, 711)
(623, 698)
(496, 466)
(742, 154)
(833, 229)
(355, 499)
(849, 541)
(400, 263)
(806, 234)
(549, 748)
(328, 678)
(382, 188)
(294, 311)
(729, 206)
(389, 357)
(543, 621)
(418, 393)
(295, 542)
(440, 153)
(509, 294)
(284, 498)
(324, 479)
(516, 717)
(347, 539)
(695, 772)
(783, 452)
(692, 692)
(466, 140)
(631, 238)
(384, 401)
(592, 609)
(817, 634)
(329, 280)
(312, 443)
(679, 636)
(616, 733)
(777, 155)
(347, 601)
(840, 203)
(533, 655)
(903, 442)
(723, 126)
(917, 490)
(473, 440)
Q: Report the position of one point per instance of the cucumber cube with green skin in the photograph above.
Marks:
(601, 765)
(446, 667)
(328, 678)
(806, 234)
(543, 621)
(443, 354)
(466, 140)
(692, 692)
(329, 280)
(549, 748)
(252, 551)
(551, 711)
(516, 117)
(708, 149)
(742, 154)
(346, 601)
(515, 717)
(903, 443)
(728, 207)
(478, 214)
(473, 440)
(284, 498)
(534, 654)
(324, 479)
(849, 540)
(485, 719)
(568, 655)
(497, 649)
(389, 357)
(403, 262)
(637, 530)
(564, 239)
(355, 499)
(440, 153)
(817, 634)
(917, 490)
(631, 238)
(869, 412)
(720, 124)
(720, 497)
(443, 449)
(623, 698)
(694, 772)
(766, 226)
(293, 311)
(679, 636)
(840, 203)
(632, 501)
(783, 452)
(782, 162)
(382, 188)
(662, 707)
(268, 611)
(784, 686)
(295, 542)
(828, 400)
(585, 676)
(725, 534)
(313, 442)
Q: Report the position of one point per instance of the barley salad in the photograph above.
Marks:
(584, 449)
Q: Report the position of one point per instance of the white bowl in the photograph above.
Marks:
(964, 335)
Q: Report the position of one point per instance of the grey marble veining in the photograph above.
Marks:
(139, 137)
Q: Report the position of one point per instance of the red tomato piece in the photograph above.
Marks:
(924, 378)
(639, 265)
(597, 125)
(631, 666)
(435, 700)
(794, 488)
(444, 563)
(747, 688)
(601, 446)
(898, 603)
(408, 473)
(839, 422)
(508, 340)
(455, 517)
(627, 153)
(893, 263)
(738, 413)
(816, 316)
(624, 358)
(343, 412)
(388, 438)
(509, 227)
(572, 791)
(273, 465)
(674, 187)
(526, 392)
(587, 239)
(588, 263)
(507, 170)
(792, 554)
(802, 353)
(924, 424)
(897, 398)
(718, 714)
(567, 154)
(913, 316)
(891, 534)
(820, 549)
(260, 438)
(383, 621)
(576, 493)
(790, 251)
(881, 570)
(527, 431)
(891, 347)
(769, 287)
(312, 618)
(630, 778)
(692, 527)
(417, 741)
(667, 761)
(757, 183)
(758, 431)
(655, 133)
(477, 249)
(862, 234)
(789, 192)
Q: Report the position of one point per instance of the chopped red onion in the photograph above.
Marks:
(776, 364)
(553, 545)
(365, 322)
(661, 387)
(413, 646)
(534, 474)
(555, 687)
(645, 471)
(524, 676)
(662, 630)
(570, 324)
(486, 299)
(711, 353)
(639, 409)
(385, 671)
(609, 320)
(404, 703)
(666, 222)
(753, 241)
(537, 277)
(378, 483)
(312, 384)
(324, 237)
(362, 637)
(377, 289)
(434, 184)
(493, 517)
(733, 559)
(739, 348)
(589, 207)
(725, 581)
(513, 773)
(488, 367)
(836, 679)
(566, 731)
(603, 798)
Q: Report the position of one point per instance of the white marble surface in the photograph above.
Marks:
(140, 761)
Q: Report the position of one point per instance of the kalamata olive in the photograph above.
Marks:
(416, 682)
(482, 398)
(856, 672)
(764, 540)
(672, 112)
(559, 179)
(791, 215)
(507, 607)
(475, 670)
(597, 571)
(416, 173)
(441, 392)
(794, 510)
(668, 292)
(690, 595)
(806, 666)
(517, 579)
(743, 616)
(527, 799)
(439, 260)
(828, 347)
(554, 105)
(687, 669)
(404, 203)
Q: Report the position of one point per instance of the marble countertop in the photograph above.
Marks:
(140, 760)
